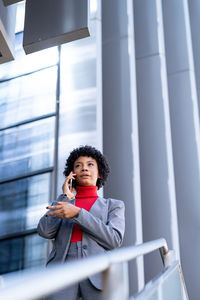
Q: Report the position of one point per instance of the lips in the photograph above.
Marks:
(84, 176)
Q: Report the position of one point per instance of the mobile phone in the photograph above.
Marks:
(70, 185)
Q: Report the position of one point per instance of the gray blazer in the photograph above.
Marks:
(103, 229)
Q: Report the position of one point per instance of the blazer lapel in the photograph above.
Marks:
(100, 208)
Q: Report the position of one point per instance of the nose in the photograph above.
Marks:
(84, 168)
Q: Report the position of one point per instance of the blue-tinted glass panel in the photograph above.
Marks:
(11, 254)
(36, 251)
(28, 96)
(26, 148)
(23, 202)
(78, 67)
(22, 253)
(28, 63)
(80, 119)
(167, 285)
(78, 104)
(84, 77)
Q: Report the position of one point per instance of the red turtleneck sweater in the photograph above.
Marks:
(85, 198)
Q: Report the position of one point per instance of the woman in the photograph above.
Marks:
(85, 224)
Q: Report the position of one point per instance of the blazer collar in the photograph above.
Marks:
(97, 206)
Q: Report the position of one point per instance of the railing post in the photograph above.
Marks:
(115, 282)
(168, 256)
(2, 283)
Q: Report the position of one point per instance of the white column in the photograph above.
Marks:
(194, 10)
(120, 124)
(185, 136)
(157, 174)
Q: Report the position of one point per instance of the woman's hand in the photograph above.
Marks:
(63, 210)
(65, 187)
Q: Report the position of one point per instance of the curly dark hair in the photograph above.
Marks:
(86, 150)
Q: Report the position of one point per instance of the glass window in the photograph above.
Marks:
(83, 77)
(78, 66)
(80, 113)
(36, 251)
(27, 91)
(28, 96)
(23, 202)
(22, 252)
(27, 148)
(11, 253)
(79, 119)
(24, 64)
(78, 103)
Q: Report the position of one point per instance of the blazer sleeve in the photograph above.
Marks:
(48, 226)
(109, 235)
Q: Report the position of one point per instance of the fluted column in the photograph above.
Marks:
(194, 10)
(185, 135)
(120, 132)
(157, 172)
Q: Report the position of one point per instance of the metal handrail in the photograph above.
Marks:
(31, 284)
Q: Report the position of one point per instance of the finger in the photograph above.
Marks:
(67, 182)
(60, 217)
(53, 213)
(56, 217)
(72, 175)
(55, 210)
(65, 187)
(69, 177)
(52, 207)
(61, 203)
(66, 205)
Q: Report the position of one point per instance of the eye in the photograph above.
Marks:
(78, 165)
(91, 164)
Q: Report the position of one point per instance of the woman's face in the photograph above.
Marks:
(86, 170)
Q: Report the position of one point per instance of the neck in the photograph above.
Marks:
(86, 191)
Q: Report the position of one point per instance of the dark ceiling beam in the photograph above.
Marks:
(7, 32)
(10, 2)
(51, 23)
